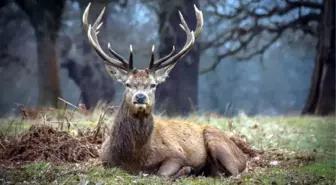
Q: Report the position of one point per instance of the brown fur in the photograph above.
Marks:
(168, 147)
(141, 74)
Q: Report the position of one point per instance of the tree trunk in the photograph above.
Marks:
(3, 3)
(48, 79)
(178, 95)
(45, 16)
(321, 98)
(88, 71)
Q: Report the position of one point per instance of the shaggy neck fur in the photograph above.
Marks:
(130, 139)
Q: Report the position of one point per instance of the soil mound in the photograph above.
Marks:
(44, 143)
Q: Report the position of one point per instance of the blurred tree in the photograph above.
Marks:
(84, 65)
(178, 95)
(252, 27)
(45, 17)
(87, 71)
(3, 3)
(321, 99)
(8, 34)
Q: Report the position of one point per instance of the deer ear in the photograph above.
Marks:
(162, 74)
(116, 74)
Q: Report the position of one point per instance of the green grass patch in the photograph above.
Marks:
(288, 133)
(291, 135)
(46, 173)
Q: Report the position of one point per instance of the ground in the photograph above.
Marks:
(294, 150)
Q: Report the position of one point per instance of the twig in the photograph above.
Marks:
(99, 125)
(10, 125)
(193, 107)
(21, 123)
(68, 103)
(62, 116)
(226, 108)
(73, 112)
(3, 146)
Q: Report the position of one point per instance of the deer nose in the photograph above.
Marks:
(140, 98)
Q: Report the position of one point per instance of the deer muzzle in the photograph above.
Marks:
(140, 100)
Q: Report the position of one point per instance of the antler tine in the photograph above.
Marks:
(165, 58)
(85, 17)
(98, 22)
(199, 17)
(173, 59)
(115, 54)
(184, 25)
(151, 63)
(191, 36)
(131, 58)
(92, 32)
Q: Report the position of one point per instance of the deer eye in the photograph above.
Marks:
(152, 86)
(128, 85)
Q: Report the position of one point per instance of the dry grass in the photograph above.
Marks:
(44, 143)
(68, 138)
(54, 135)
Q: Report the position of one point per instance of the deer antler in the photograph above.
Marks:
(92, 34)
(191, 36)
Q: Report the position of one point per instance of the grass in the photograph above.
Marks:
(294, 133)
(291, 135)
(46, 173)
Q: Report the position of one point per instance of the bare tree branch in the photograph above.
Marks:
(307, 4)
(253, 20)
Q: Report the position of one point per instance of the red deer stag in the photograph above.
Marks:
(169, 148)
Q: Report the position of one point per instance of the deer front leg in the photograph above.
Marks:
(174, 168)
(185, 171)
(169, 167)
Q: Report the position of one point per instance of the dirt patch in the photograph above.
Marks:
(275, 158)
(44, 143)
(245, 147)
(261, 159)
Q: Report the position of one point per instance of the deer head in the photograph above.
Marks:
(140, 83)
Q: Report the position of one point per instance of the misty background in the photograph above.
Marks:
(272, 81)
